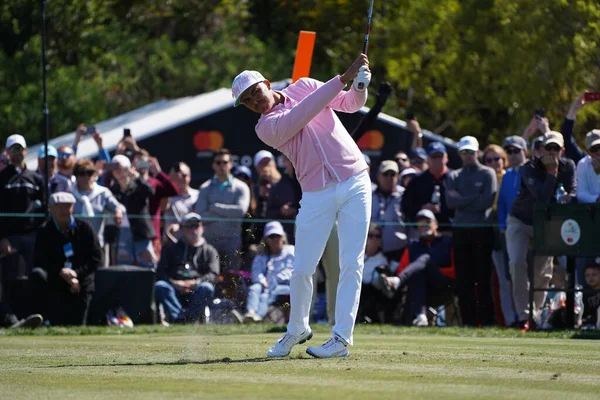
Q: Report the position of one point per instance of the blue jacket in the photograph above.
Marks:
(511, 181)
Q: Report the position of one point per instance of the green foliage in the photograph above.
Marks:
(468, 67)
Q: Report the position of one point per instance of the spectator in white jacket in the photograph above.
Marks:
(271, 272)
(93, 200)
(588, 170)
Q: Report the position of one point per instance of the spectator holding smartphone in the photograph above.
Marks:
(90, 130)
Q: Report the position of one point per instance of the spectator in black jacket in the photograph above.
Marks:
(572, 151)
(420, 190)
(135, 194)
(539, 182)
(67, 254)
(186, 273)
(21, 192)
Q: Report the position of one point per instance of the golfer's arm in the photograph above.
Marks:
(279, 127)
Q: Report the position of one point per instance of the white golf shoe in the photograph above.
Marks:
(334, 347)
(283, 347)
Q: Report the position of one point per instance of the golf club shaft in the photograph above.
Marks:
(366, 45)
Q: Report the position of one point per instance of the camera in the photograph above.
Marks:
(90, 130)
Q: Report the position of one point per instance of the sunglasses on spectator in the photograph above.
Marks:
(595, 149)
(467, 152)
(65, 154)
(389, 174)
(513, 150)
(16, 149)
(492, 160)
(374, 236)
(192, 226)
(274, 236)
(552, 148)
(221, 162)
(87, 172)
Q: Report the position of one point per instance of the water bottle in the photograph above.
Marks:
(560, 193)
(435, 197)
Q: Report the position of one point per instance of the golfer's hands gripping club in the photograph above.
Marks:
(358, 69)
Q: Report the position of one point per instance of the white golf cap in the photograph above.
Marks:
(62, 198)
(592, 138)
(468, 143)
(274, 228)
(15, 139)
(190, 217)
(425, 213)
(553, 137)
(261, 155)
(122, 160)
(242, 82)
(388, 165)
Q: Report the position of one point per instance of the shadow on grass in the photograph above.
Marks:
(225, 360)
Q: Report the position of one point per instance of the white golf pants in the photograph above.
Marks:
(350, 203)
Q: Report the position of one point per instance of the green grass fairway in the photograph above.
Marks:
(228, 362)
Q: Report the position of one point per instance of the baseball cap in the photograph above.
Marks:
(51, 152)
(274, 228)
(553, 137)
(407, 171)
(242, 82)
(261, 155)
(388, 165)
(242, 170)
(515, 141)
(121, 160)
(62, 198)
(425, 213)
(191, 217)
(539, 139)
(419, 152)
(15, 139)
(592, 138)
(436, 147)
(468, 143)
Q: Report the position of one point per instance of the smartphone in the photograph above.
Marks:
(410, 116)
(126, 132)
(90, 129)
(540, 113)
(592, 96)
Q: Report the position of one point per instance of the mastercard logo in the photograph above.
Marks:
(371, 140)
(208, 140)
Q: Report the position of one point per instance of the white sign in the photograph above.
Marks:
(570, 232)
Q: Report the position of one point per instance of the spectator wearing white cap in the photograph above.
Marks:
(67, 254)
(588, 170)
(427, 267)
(222, 198)
(539, 182)
(135, 194)
(186, 273)
(21, 192)
(386, 210)
(471, 191)
(183, 203)
(271, 272)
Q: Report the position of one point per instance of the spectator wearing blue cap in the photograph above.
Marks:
(428, 189)
(418, 159)
(52, 156)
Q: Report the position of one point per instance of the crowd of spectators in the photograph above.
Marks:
(436, 234)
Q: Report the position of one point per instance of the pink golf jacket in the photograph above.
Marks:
(305, 129)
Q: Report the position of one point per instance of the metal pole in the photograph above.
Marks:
(45, 111)
(570, 320)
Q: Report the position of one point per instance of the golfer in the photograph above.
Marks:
(300, 122)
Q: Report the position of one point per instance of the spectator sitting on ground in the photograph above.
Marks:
(93, 200)
(539, 182)
(271, 272)
(419, 193)
(186, 273)
(385, 210)
(427, 267)
(163, 188)
(135, 194)
(418, 159)
(183, 203)
(371, 300)
(591, 301)
(224, 197)
(471, 191)
(63, 180)
(67, 254)
(21, 192)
